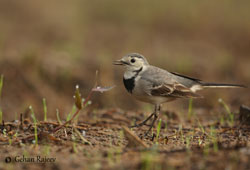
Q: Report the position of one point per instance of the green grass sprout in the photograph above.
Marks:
(200, 126)
(181, 133)
(200, 141)
(73, 110)
(4, 132)
(58, 117)
(225, 105)
(158, 131)
(35, 124)
(45, 109)
(214, 139)
(10, 139)
(11, 136)
(190, 108)
(230, 114)
(188, 139)
(74, 145)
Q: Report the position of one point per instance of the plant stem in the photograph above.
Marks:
(45, 109)
(76, 113)
(35, 124)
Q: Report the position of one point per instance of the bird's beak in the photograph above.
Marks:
(120, 62)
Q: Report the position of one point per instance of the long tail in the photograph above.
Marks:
(222, 85)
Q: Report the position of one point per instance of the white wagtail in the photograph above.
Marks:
(156, 86)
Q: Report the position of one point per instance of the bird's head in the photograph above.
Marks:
(132, 61)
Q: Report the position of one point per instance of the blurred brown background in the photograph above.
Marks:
(47, 47)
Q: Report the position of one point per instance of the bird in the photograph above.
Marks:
(154, 85)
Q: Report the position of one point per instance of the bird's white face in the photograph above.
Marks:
(132, 62)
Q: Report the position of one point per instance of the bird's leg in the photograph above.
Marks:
(143, 122)
(157, 110)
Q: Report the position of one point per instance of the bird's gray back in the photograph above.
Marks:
(157, 76)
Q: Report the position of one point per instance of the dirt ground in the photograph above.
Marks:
(47, 48)
(201, 141)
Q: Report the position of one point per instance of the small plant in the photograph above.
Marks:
(213, 137)
(10, 140)
(69, 116)
(200, 126)
(190, 108)
(158, 131)
(4, 132)
(181, 133)
(45, 109)
(58, 117)
(80, 103)
(10, 137)
(188, 143)
(200, 141)
(74, 146)
(35, 124)
(230, 114)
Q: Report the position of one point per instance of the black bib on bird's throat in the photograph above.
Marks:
(129, 84)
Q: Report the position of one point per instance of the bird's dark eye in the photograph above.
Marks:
(132, 60)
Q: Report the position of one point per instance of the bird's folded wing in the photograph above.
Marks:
(159, 82)
(173, 90)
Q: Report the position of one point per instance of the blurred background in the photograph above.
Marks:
(47, 47)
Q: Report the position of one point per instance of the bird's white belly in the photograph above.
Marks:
(153, 99)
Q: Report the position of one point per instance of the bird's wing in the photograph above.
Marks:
(173, 90)
(162, 83)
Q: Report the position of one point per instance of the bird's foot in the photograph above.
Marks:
(147, 135)
(143, 123)
(139, 125)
